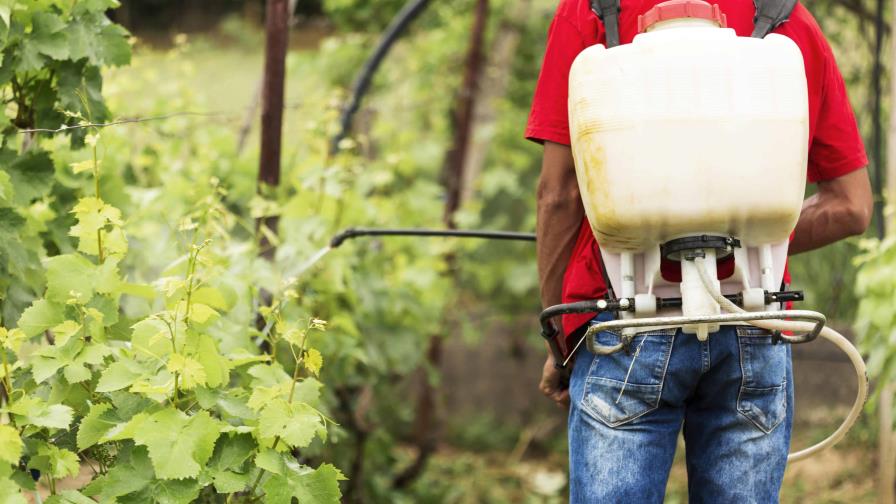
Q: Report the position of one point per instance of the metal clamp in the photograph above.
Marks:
(671, 322)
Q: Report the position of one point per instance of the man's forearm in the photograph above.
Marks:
(556, 232)
(560, 214)
(841, 208)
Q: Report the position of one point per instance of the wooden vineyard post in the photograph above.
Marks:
(272, 93)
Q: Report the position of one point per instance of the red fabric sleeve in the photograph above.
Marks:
(548, 119)
(837, 147)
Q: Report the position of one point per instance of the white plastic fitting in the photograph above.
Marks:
(695, 300)
(645, 305)
(754, 299)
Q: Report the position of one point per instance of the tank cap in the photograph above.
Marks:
(677, 9)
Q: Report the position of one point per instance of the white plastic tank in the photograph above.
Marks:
(690, 129)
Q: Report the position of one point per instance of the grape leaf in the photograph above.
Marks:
(46, 364)
(31, 410)
(98, 421)
(211, 297)
(120, 374)
(31, 176)
(190, 371)
(167, 492)
(271, 461)
(115, 48)
(39, 317)
(10, 445)
(228, 481)
(74, 357)
(64, 331)
(92, 354)
(178, 445)
(70, 276)
(262, 396)
(216, 368)
(317, 486)
(313, 361)
(125, 430)
(58, 462)
(11, 339)
(56, 416)
(308, 391)
(230, 402)
(107, 280)
(202, 314)
(295, 424)
(76, 373)
(10, 493)
(268, 375)
(320, 486)
(115, 242)
(47, 37)
(277, 490)
(158, 387)
(231, 451)
(131, 473)
(93, 215)
(150, 336)
(80, 39)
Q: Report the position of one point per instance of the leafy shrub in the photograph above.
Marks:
(159, 389)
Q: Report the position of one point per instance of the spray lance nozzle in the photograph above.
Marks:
(346, 234)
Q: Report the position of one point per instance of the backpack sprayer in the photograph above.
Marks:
(690, 147)
(730, 114)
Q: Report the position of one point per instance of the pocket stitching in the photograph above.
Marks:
(589, 380)
(743, 386)
(743, 412)
(653, 406)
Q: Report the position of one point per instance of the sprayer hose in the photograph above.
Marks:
(827, 333)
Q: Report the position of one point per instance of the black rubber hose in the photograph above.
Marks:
(348, 234)
(393, 32)
(549, 331)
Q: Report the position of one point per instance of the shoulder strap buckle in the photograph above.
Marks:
(608, 12)
(770, 14)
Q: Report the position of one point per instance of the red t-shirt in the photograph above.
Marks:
(835, 146)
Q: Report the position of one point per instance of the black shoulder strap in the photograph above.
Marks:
(608, 12)
(770, 14)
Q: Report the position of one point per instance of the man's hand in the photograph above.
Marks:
(553, 383)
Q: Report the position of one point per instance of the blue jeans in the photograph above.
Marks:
(732, 395)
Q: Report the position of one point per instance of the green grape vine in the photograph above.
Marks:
(149, 405)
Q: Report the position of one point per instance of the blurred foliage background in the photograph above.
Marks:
(491, 437)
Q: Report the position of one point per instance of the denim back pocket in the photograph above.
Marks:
(763, 392)
(624, 386)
